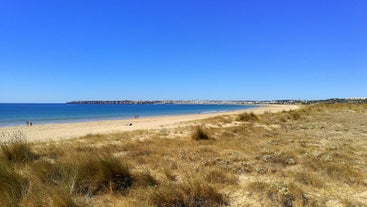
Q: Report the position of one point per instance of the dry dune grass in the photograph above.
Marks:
(313, 156)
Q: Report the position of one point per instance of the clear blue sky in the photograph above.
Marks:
(64, 50)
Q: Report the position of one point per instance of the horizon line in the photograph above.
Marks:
(185, 100)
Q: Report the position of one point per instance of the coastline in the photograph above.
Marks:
(59, 113)
(48, 132)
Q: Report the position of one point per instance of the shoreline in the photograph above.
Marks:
(72, 116)
(58, 131)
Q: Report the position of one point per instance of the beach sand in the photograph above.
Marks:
(46, 132)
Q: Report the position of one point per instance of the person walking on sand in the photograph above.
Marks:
(30, 123)
(27, 122)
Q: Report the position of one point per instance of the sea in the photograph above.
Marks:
(18, 113)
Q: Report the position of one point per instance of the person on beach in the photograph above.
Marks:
(30, 123)
(27, 122)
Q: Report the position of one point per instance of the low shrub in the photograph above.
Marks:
(247, 117)
(279, 194)
(200, 133)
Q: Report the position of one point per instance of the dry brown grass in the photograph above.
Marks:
(220, 176)
(13, 186)
(146, 179)
(313, 156)
(192, 193)
(100, 173)
(16, 149)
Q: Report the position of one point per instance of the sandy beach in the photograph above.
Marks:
(47, 132)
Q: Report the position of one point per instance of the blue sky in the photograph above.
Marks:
(60, 50)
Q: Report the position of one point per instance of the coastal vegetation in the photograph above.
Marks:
(247, 117)
(16, 149)
(199, 133)
(313, 156)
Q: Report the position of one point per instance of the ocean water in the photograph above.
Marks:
(18, 114)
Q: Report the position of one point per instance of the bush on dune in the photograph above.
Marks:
(247, 117)
(200, 134)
